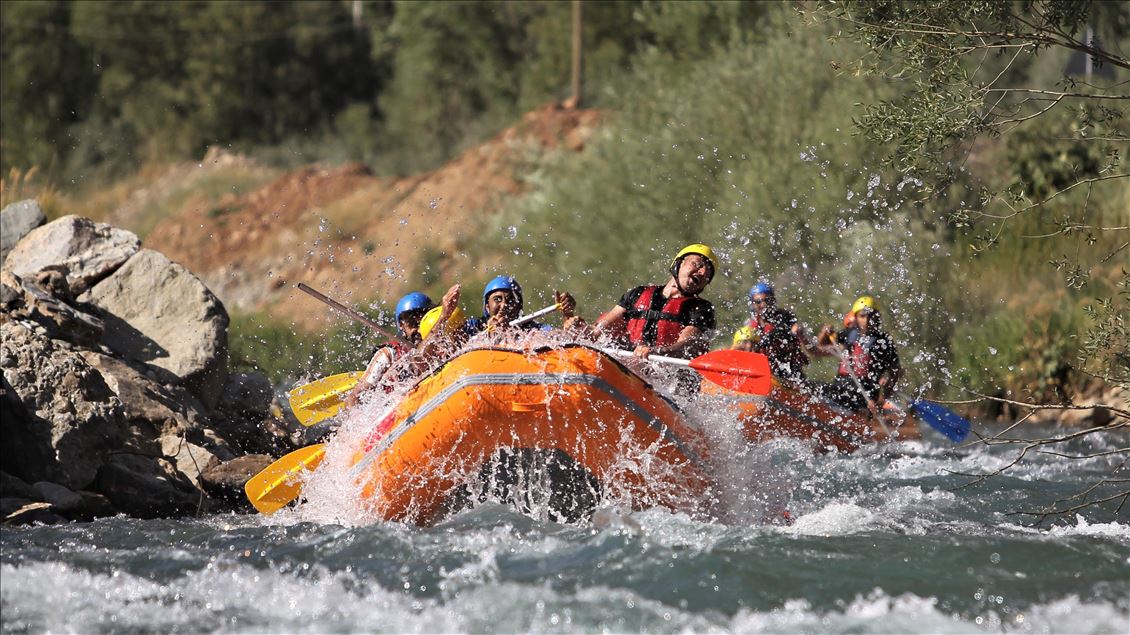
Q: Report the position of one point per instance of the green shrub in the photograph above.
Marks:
(287, 355)
(748, 149)
(1025, 354)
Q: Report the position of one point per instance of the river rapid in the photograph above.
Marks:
(884, 541)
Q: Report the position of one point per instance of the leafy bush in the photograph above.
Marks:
(1025, 355)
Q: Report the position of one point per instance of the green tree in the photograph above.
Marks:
(118, 82)
(971, 71)
(454, 65)
(705, 149)
(258, 72)
(46, 85)
(139, 50)
(986, 92)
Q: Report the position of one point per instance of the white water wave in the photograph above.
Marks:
(1116, 530)
(909, 613)
(54, 597)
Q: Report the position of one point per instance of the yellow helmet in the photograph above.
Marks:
(865, 302)
(746, 334)
(703, 250)
(428, 322)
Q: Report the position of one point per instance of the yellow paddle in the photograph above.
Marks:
(322, 399)
(278, 483)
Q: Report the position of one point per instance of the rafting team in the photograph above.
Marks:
(671, 319)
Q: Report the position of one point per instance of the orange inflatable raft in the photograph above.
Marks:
(569, 425)
(790, 412)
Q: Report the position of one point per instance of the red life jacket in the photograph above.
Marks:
(858, 360)
(399, 347)
(669, 320)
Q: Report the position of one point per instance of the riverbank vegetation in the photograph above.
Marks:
(778, 133)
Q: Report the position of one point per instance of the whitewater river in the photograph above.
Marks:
(882, 543)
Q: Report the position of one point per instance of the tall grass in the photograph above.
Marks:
(20, 185)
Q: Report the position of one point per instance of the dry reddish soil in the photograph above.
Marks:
(352, 234)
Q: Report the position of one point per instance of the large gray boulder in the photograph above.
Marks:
(147, 487)
(158, 313)
(60, 420)
(243, 416)
(12, 485)
(191, 459)
(160, 409)
(88, 250)
(61, 498)
(224, 481)
(16, 221)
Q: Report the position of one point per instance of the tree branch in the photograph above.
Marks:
(1056, 93)
(1095, 179)
(1026, 39)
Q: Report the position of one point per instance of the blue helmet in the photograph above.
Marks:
(503, 283)
(763, 288)
(415, 301)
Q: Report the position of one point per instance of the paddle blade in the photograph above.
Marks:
(954, 426)
(278, 483)
(741, 371)
(319, 400)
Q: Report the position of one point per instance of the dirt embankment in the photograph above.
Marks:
(351, 233)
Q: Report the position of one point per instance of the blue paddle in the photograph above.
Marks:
(954, 426)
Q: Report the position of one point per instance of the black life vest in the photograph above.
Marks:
(781, 346)
(669, 320)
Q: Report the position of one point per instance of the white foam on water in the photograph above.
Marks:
(836, 519)
(225, 597)
(877, 613)
(661, 527)
(1098, 530)
(1119, 531)
(1072, 615)
(231, 597)
(909, 613)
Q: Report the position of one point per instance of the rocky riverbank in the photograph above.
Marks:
(116, 396)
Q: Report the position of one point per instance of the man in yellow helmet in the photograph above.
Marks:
(869, 367)
(669, 319)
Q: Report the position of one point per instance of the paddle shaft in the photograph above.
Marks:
(528, 318)
(674, 361)
(700, 363)
(351, 313)
(535, 315)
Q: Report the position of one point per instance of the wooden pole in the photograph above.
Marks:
(578, 58)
